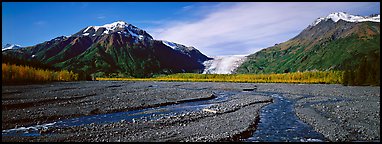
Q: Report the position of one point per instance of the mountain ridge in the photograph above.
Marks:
(329, 45)
(113, 49)
(336, 16)
(11, 46)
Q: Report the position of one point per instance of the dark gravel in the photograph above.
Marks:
(340, 113)
(235, 116)
(29, 104)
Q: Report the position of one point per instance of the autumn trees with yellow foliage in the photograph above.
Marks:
(12, 73)
(324, 77)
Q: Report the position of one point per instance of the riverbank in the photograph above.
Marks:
(29, 104)
(340, 113)
(37, 104)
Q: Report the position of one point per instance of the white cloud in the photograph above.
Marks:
(244, 28)
(188, 8)
(39, 23)
(101, 17)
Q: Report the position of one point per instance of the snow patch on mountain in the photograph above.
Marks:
(10, 46)
(133, 34)
(118, 26)
(109, 27)
(169, 44)
(177, 46)
(60, 38)
(335, 17)
(87, 29)
(223, 64)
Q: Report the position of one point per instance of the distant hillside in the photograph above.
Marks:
(337, 42)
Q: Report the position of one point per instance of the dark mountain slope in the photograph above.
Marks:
(327, 45)
(113, 49)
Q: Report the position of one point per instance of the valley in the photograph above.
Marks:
(115, 82)
(186, 111)
(337, 42)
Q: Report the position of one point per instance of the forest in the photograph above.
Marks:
(19, 71)
(367, 72)
(323, 77)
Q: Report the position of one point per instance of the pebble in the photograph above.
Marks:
(272, 87)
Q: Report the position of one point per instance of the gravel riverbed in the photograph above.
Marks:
(340, 113)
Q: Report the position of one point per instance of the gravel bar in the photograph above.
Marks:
(340, 113)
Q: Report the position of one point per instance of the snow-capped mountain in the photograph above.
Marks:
(336, 42)
(223, 64)
(335, 17)
(187, 50)
(11, 46)
(122, 28)
(115, 48)
(334, 26)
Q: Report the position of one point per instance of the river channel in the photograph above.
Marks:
(278, 121)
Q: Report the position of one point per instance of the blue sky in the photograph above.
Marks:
(214, 28)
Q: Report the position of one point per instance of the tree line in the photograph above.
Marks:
(19, 71)
(367, 72)
(324, 77)
(13, 74)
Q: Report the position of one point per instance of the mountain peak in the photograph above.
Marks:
(120, 27)
(120, 24)
(336, 16)
(11, 46)
(110, 27)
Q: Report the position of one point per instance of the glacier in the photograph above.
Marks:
(223, 64)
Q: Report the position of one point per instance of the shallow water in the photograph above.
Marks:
(279, 123)
(131, 116)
